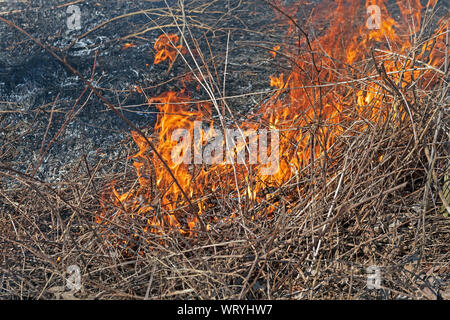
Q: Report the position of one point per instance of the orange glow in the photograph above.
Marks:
(166, 48)
(128, 45)
(277, 82)
(274, 52)
(309, 119)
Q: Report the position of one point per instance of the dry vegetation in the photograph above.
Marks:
(380, 199)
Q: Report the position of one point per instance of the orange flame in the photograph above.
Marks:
(310, 115)
(274, 52)
(166, 48)
(277, 82)
(128, 45)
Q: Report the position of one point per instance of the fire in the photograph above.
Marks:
(275, 50)
(128, 45)
(277, 82)
(308, 113)
(167, 47)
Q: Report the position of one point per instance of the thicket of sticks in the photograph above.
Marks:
(357, 211)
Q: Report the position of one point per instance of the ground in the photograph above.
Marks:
(61, 147)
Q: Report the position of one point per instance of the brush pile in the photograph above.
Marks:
(362, 180)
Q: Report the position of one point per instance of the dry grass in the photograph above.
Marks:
(345, 214)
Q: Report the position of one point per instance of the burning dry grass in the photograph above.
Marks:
(386, 213)
(374, 195)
